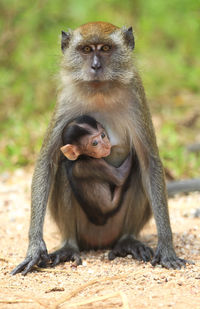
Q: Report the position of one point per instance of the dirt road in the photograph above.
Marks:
(98, 283)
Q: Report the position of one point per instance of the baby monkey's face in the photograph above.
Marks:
(96, 144)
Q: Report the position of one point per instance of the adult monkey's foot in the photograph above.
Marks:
(37, 253)
(168, 258)
(65, 254)
(130, 245)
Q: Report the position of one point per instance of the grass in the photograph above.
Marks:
(167, 52)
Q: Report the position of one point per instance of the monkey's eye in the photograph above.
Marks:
(103, 135)
(106, 48)
(94, 143)
(87, 49)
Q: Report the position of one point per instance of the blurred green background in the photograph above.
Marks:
(167, 53)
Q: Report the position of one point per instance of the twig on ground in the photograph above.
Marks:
(15, 301)
(124, 300)
(94, 299)
(82, 287)
(24, 300)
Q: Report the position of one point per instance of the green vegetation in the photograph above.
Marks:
(167, 52)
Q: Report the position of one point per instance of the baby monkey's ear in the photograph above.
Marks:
(71, 152)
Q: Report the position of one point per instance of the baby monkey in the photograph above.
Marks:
(97, 186)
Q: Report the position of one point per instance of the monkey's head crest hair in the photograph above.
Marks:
(73, 132)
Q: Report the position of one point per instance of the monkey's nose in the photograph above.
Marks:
(96, 64)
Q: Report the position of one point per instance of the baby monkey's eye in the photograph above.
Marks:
(103, 135)
(94, 143)
(106, 48)
(87, 49)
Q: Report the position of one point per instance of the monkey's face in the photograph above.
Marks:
(98, 52)
(96, 144)
(95, 60)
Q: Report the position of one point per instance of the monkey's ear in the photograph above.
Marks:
(65, 40)
(129, 37)
(71, 152)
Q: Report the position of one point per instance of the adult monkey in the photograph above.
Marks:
(98, 78)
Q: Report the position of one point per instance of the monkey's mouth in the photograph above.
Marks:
(97, 76)
(100, 155)
(95, 83)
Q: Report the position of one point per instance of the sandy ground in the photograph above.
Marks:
(98, 283)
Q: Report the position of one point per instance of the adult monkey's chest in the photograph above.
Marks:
(116, 129)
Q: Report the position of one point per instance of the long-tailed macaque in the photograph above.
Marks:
(99, 78)
(97, 186)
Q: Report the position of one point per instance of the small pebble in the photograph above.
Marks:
(196, 214)
(90, 271)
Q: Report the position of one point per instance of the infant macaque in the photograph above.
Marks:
(85, 144)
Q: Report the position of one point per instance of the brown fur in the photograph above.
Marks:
(94, 28)
(118, 102)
